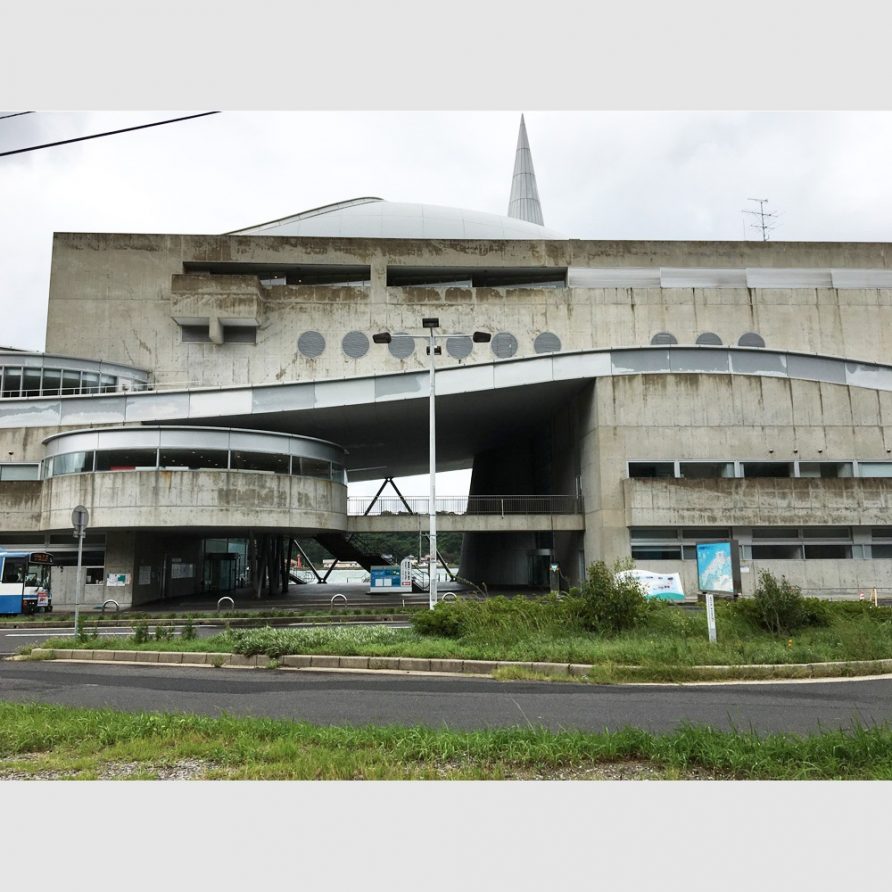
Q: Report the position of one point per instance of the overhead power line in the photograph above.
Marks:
(15, 115)
(63, 142)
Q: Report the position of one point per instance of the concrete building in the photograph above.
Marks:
(636, 397)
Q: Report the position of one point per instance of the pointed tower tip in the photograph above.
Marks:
(524, 201)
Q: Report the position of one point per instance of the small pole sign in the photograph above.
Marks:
(80, 517)
(710, 616)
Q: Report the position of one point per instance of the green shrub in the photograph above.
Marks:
(80, 632)
(606, 604)
(779, 607)
(445, 620)
(163, 633)
(140, 632)
(188, 633)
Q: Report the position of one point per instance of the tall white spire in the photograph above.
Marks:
(524, 201)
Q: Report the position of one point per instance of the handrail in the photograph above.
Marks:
(491, 504)
(226, 598)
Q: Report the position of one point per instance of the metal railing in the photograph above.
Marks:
(499, 505)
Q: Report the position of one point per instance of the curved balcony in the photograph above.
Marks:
(27, 374)
(196, 478)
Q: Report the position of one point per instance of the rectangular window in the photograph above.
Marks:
(651, 469)
(12, 381)
(127, 460)
(881, 552)
(775, 532)
(52, 381)
(14, 571)
(654, 534)
(193, 459)
(656, 553)
(827, 470)
(705, 533)
(767, 469)
(239, 334)
(825, 551)
(31, 382)
(312, 467)
(827, 533)
(868, 468)
(706, 470)
(72, 463)
(20, 472)
(71, 382)
(881, 532)
(195, 334)
(777, 552)
(260, 461)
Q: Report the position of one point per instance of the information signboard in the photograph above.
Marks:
(387, 579)
(718, 567)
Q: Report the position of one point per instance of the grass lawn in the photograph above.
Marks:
(668, 637)
(54, 742)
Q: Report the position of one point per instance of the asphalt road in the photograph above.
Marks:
(329, 698)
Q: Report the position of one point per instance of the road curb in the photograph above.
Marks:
(432, 666)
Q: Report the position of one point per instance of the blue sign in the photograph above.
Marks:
(717, 570)
(387, 579)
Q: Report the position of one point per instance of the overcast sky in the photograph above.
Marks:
(601, 175)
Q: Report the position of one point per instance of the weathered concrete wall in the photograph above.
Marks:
(196, 499)
(20, 504)
(116, 296)
(818, 578)
(719, 417)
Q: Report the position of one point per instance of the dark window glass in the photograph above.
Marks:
(826, 533)
(52, 381)
(14, 570)
(12, 381)
(656, 534)
(827, 552)
(777, 552)
(702, 470)
(313, 467)
(651, 469)
(126, 460)
(339, 474)
(238, 334)
(194, 459)
(195, 334)
(31, 382)
(767, 469)
(108, 383)
(775, 532)
(260, 461)
(71, 382)
(656, 553)
(706, 533)
(881, 551)
(72, 463)
(881, 532)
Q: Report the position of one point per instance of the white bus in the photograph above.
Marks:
(25, 582)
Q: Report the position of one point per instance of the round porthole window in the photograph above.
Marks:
(311, 344)
(547, 342)
(504, 345)
(401, 345)
(355, 344)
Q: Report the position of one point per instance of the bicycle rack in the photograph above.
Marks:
(107, 602)
(335, 597)
(448, 596)
(226, 598)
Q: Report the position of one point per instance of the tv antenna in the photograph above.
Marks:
(766, 220)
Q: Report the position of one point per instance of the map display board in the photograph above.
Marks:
(387, 579)
(718, 567)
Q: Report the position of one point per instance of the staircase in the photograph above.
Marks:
(351, 548)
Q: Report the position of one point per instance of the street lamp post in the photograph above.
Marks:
(479, 337)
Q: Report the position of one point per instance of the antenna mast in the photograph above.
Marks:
(765, 224)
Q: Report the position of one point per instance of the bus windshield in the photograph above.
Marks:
(37, 576)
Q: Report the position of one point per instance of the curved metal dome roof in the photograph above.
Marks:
(377, 218)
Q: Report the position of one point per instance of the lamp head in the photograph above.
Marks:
(481, 337)
(383, 337)
(430, 322)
